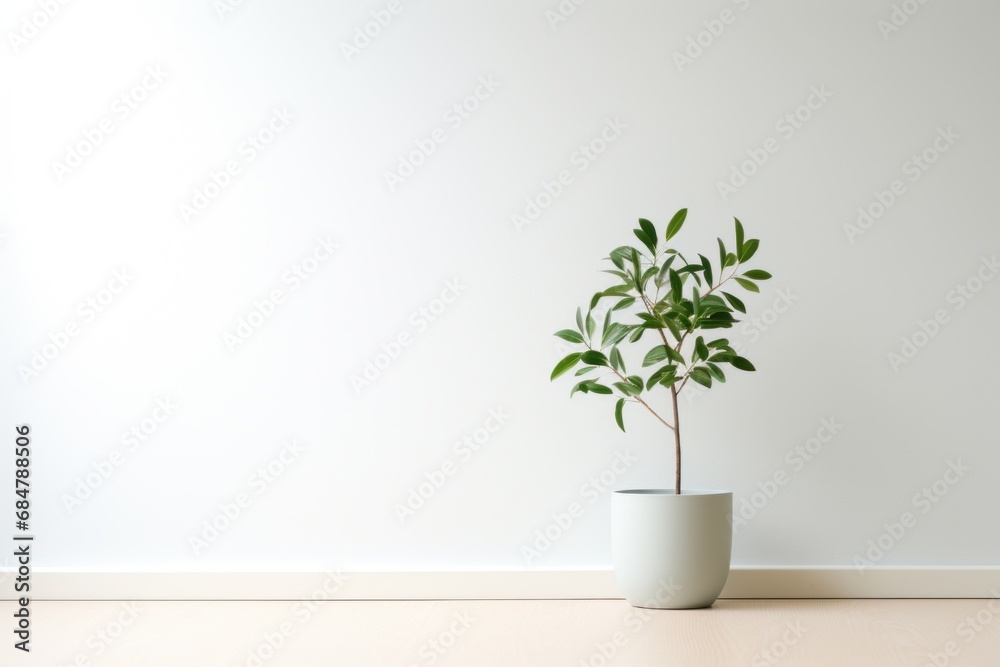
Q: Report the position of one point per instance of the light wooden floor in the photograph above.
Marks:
(844, 633)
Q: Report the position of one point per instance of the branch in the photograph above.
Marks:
(642, 402)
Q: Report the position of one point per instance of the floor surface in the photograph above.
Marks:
(577, 633)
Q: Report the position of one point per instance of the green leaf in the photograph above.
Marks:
(567, 363)
(594, 358)
(670, 379)
(708, 269)
(620, 255)
(617, 290)
(579, 320)
(757, 274)
(675, 224)
(749, 248)
(637, 268)
(581, 387)
(674, 355)
(695, 302)
(730, 260)
(722, 257)
(607, 333)
(739, 236)
(742, 364)
(594, 299)
(650, 272)
(656, 355)
(620, 274)
(701, 348)
(719, 343)
(676, 286)
(661, 376)
(591, 326)
(570, 335)
(716, 372)
(618, 413)
(702, 377)
(646, 241)
(636, 383)
(624, 303)
(650, 231)
(617, 333)
(675, 331)
(746, 284)
(734, 302)
(636, 335)
(693, 269)
(662, 276)
(624, 388)
(616, 360)
(597, 388)
(585, 370)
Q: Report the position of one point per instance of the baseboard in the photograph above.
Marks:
(744, 582)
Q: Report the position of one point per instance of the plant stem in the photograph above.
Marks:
(677, 442)
(642, 402)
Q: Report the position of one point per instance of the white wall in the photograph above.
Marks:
(323, 176)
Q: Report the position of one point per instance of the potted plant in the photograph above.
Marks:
(677, 540)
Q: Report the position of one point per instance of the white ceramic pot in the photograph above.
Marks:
(671, 551)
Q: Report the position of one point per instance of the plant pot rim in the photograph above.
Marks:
(670, 492)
